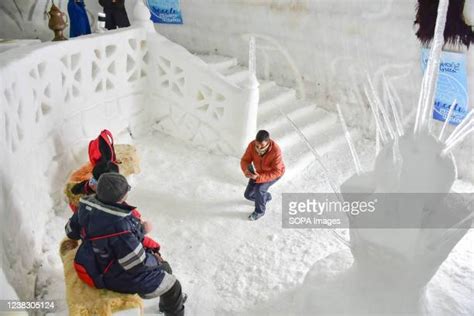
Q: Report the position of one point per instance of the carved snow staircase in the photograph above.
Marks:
(322, 128)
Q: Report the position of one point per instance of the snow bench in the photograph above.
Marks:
(81, 299)
(84, 300)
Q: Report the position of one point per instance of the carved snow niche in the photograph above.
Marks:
(71, 76)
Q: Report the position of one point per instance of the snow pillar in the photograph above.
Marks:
(253, 97)
(141, 15)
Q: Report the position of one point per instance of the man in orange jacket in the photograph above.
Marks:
(263, 164)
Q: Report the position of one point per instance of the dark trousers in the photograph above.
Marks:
(115, 17)
(171, 303)
(257, 192)
(166, 266)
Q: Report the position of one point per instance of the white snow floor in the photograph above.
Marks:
(225, 263)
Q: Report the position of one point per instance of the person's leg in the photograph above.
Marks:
(262, 196)
(166, 266)
(249, 193)
(171, 302)
(171, 296)
(109, 19)
(121, 17)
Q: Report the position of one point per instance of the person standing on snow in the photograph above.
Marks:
(263, 164)
(115, 14)
(111, 254)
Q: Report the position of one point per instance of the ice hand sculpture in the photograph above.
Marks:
(392, 266)
(396, 251)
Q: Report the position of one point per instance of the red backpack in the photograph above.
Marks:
(102, 148)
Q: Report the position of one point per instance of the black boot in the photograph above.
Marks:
(171, 303)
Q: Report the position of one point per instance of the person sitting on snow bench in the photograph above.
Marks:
(111, 254)
(88, 187)
(263, 164)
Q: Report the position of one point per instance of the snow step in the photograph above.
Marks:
(218, 62)
(310, 125)
(328, 143)
(265, 86)
(236, 74)
(297, 110)
(296, 167)
(274, 100)
(321, 128)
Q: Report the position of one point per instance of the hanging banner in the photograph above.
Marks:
(452, 85)
(165, 11)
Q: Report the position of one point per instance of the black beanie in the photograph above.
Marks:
(112, 187)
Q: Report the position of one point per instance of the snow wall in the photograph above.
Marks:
(55, 97)
(334, 45)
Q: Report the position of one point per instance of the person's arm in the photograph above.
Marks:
(80, 188)
(275, 172)
(73, 228)
(131, 254)
(136, 213)
(151, 244)
(246, 159)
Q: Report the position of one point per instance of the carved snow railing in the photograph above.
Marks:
(198, 104)
(192, 101)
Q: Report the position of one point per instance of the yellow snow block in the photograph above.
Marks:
(84, 300)
(127, 159)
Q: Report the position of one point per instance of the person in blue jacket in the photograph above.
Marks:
(78, 20)
(111, 254)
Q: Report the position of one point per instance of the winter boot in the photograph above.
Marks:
(254, 216)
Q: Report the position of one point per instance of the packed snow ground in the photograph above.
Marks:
(229, 265)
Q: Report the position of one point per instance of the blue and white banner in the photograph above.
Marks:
(452, 85)
(165, 11)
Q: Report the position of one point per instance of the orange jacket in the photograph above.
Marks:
(269, 166)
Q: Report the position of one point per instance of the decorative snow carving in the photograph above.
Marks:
(42, 95)
(210, 102)
(71, 76)
(13, 114)
(190, 128)
(137, 59)
(171, 76)
(104, 68)
(213, 109)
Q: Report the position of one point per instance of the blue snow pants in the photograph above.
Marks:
(257, 192)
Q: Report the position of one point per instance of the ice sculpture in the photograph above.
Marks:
(390, 267)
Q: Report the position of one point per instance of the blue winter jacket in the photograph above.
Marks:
(111, 247)
(78, 20)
